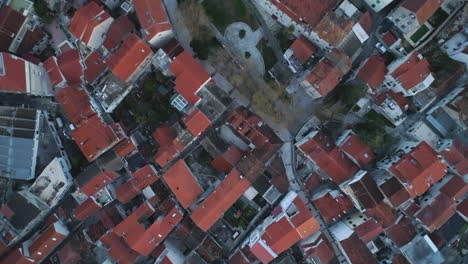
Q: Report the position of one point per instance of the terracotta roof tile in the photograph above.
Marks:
(128, 57)
(75, 102)
(329, 158)
(182, 183)
(152, 16)
(94, 137)
(220, 200)
(303, 49)
(126, 192)
(308, 12)
(124, 148)
(118, 250)
(369, 230)
(333, 205)
(261, 253)
(455, 188)
(30, 40)
(196, 122)
(118, 31)
(424, 9)
(412, 72)
(13, 77)
(373, 72)
(190, 76)
(389, 39)
(395, 192)
(357, 251)
(462, 208)
(227, 161)
(11, 22)
(366, 22)
(86, 209)
(435, 214)
(321, 249)
(95, 66)
(326, 75)
(70, 66)
(55, 75)
(401, 232)
(98, 183)
(457, 156)
(333, 28)
(86, 19)
(360, 153)
(46, 242)
(419, 169)
(382, 213)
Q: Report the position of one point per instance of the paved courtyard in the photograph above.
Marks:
(245, 40)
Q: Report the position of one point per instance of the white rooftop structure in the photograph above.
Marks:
(53, 182)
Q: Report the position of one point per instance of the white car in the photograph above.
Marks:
(381, 47)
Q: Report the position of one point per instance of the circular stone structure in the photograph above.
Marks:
(247, 44)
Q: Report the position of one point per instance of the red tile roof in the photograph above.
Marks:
(94, 137)
(357, 251)
(329, 72)
(190, 76)
(118, 31)
(359, 152)
(86, 19)
(261, 253)
(435, 214)
(395, 192)
(312, 182)
(303, 49)
(373, 72)
(155, 234)
(321, 249)
(399, 98)
(118, 250)
(238, 258)
(13, 77)
(99, 182)
(399, 259)
(329, 158)
(75, 102)
(308, 12)
(182, 183)
(286, 231)
(462, 208)
(12, 73)
(126, 192)
(152, 16)
(31, 39)
(457, 156)
(55, 75)
(95, 66)
(144, 177)
(423, 9)
(412, 72)
(369, 230)
(126, 59)
(389, 39)
(419, 169)
(455, 188)
(124, 148)
(220, 200)
(333, 28)
(382, 213)
(227, 161)
(196, 122)
(401, 232)
(333, 205)
(70, 66)
(86, 209)
(11, 22)
(46, 242)
(168, 146)
(366, 22)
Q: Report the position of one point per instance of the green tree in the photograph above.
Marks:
(41, 10)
